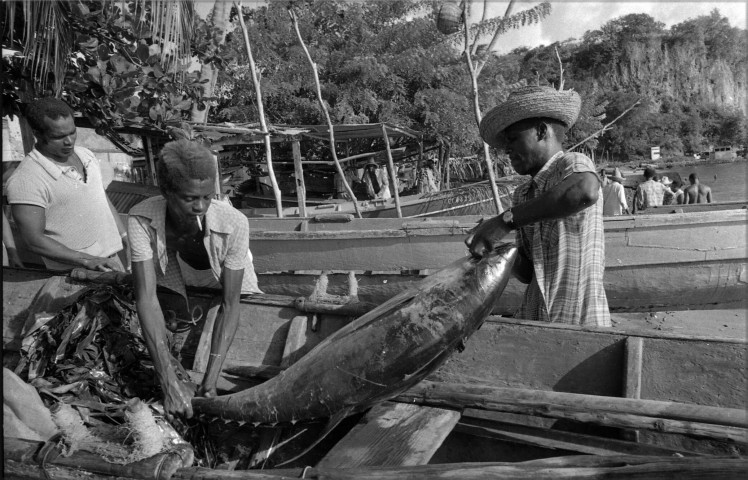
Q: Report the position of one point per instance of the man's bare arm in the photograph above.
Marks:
(177, 395)
(32, 221)
(224, 330)
(575, 193)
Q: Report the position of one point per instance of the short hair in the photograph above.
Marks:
(603, 173)
(693, 177)
(184, 160)
(649, 172)
(676, 184)
(47, 107)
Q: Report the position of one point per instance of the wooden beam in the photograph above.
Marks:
(580, 467)
(632, 375)
(299, 174)
(295, 341)
(392, 172)
(202, 354)
(566, 405)
(557, 439)
(393, 434)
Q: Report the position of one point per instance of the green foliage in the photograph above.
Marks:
(118, 66)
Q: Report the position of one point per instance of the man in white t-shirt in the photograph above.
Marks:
(57, 196)
(614, 197)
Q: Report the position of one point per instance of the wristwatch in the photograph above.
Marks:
(508, 218)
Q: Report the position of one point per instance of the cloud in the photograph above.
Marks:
(570, 19)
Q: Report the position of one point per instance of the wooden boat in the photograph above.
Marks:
(536, 369)
(655, 262)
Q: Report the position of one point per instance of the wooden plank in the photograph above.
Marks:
(299, 174)
(455, 395)
(393, 434)
(632, 376)
(557, 439)
(576, 466)
(295, 341)
(202, 354)
(656, 287)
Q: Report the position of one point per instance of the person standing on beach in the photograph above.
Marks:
(614, 197)
(697, 192)
(558, 213)
(650, 193)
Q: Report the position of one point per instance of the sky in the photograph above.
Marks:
(570, 19)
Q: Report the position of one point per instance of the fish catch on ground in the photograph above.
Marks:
(382, 353)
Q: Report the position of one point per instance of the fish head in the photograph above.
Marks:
(492, 271)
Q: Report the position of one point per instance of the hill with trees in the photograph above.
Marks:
(378, 62)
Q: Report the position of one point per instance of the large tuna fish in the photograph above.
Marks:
(380, 354)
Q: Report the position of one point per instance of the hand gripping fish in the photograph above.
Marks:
(380, 354)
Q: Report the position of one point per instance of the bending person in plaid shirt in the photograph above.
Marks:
(186, 237)
(557, 214)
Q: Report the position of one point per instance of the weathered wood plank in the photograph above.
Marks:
(581, 467)
(393, 434)
(546, 403)
(632, 376)
(557, 439)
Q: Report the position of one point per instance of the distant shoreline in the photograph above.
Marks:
(680, 162)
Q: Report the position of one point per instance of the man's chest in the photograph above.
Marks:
(190, 246)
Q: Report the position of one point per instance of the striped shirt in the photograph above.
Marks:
(567, 254)
(77, 213)
(226, 241)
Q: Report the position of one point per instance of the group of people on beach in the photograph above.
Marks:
(189, 237)
(654, 191)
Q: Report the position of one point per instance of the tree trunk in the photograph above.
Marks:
(220, 20)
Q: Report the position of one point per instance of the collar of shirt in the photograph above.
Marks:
(56, 170)
(214, 222)
(538, 182)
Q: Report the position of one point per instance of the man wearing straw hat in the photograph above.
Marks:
(614, 197)
(557, 214)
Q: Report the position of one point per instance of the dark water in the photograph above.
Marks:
(727, 180)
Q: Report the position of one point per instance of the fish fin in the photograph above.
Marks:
(331, 424)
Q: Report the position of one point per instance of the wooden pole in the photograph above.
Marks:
(322, 106)
(548, 400)
(476, 107)
(261, 114)
(151, 162)
(391, 169)
(299, 174)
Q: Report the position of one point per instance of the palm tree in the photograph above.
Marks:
(49, 31)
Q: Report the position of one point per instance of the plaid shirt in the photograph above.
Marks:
(567, 254)
(226, 241)
(651, 194)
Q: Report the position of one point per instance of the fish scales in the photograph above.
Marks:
(382, 353)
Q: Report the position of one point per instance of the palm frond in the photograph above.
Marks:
(48, 42)
(171, 24)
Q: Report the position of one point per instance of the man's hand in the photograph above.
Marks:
(178, 399)
(207, 391)
(102, 264)
(487, 236)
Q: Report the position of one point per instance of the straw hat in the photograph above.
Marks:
(666, 180)
(371, 162)
(530, 102)
(617, 176)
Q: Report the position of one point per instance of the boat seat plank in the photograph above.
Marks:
(393, 435)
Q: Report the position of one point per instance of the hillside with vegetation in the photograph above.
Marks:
(378, 62)
(691, 80)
